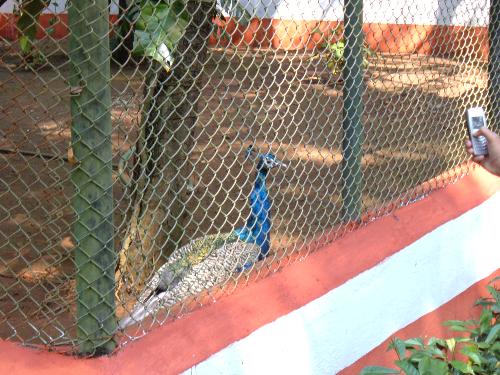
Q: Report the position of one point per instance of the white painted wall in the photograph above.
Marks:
(420, 12)
(335, 330)
(428, 12)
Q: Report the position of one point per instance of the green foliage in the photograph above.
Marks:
(333, 49)
(377, 370)
(160, 25)
(158, 29)
(27, 24)
(480, 348)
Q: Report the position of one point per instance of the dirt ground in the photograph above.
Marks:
(279, 101)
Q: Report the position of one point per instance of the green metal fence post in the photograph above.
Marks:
(494, 65)
(353, 110)
(92, 176)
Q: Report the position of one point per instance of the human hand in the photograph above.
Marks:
(490, 162)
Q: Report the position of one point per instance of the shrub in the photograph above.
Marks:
(333, 48)
(480, 347)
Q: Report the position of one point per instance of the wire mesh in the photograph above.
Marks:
(209, 102)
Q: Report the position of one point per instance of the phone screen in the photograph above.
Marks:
(477, 122)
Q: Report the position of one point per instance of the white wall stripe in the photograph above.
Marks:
(333, 331)
(422, 12)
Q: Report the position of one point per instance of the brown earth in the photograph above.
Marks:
(279, 101)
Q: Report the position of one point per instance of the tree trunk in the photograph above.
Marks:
(162, 167)
(124, 36)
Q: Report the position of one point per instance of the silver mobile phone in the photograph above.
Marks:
(476, 119)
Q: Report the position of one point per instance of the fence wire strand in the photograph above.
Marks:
(227, 145)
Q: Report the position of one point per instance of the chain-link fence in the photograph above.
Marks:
(224, 140)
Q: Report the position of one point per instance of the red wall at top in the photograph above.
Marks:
(292, 34)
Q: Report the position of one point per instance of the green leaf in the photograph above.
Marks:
(27, 23)
(431, 366)
(485, 320)
(417, 341)
(400, 348)
(159, 28)
(493, 334)
(378, 370)
(472, 352)
(464, 323)
(460, 328)
(485, 302)
(25, 44)
(433, 341)
(429, 352)
(496, 308)
(337, 50)
(462, 367)
(482, 345)
(436, 352)
(494, 292)
(407, 367)
(418, 355)
(462, 339)
(495, 347)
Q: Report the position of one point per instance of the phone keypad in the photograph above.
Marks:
(481, 145)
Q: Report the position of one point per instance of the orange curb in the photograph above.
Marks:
(182, 343)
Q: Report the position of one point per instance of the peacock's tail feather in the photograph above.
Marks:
(197, 266)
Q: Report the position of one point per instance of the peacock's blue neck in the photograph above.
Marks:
(258, 226)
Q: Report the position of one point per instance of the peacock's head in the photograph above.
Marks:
(265, 161)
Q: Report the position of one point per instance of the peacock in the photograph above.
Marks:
(211, 260)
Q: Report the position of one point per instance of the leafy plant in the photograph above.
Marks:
(158, 29)
(160, 24)
(481, 347)
(27, 24)
(333, 49)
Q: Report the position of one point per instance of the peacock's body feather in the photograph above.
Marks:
(258, 226)
(186, 259)
(211, 260)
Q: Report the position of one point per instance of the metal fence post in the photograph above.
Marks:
(92, 176)
(494, 65)
(353, 110)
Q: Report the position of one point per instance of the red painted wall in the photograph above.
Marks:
(293, 34)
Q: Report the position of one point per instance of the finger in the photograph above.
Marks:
(468, 143)
(478, 159)
(470, 150)
(484, 131)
